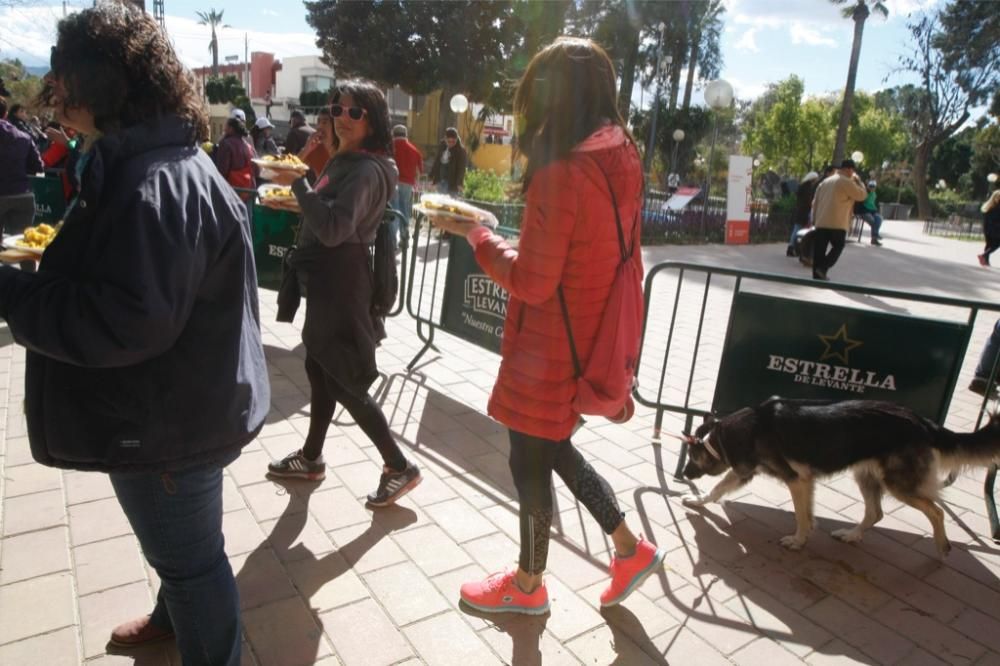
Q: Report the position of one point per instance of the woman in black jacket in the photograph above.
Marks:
(144, 356)
(341, 214)
(448, 171)
(991, 227)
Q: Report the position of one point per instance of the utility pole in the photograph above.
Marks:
(246, 62)
(158, 13)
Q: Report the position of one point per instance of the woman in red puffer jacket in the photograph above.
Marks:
(576, 143)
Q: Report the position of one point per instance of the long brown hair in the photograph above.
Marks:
(116, 62)
(567, 92)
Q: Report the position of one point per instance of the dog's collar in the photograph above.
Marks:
(691, 440)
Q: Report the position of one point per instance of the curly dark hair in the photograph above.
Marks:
(116, 62)
(370, 98)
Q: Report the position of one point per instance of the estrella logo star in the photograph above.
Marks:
(838, 345)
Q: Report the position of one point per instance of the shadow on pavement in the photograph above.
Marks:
(525, 632)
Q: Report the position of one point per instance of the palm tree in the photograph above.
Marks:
(858, 11)
(212, 19)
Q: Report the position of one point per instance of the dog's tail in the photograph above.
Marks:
(970, 449)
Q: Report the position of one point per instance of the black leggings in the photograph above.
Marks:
(326, 393)
(532, 460)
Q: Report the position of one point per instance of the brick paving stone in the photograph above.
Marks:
(570, 614)
(94, 521)
(31, 478)
(367, 547)
(524, 639)
(764, 651)
(87, 487)
(447, 639)
(380, 644)
(269, 500)
(241, 531)
(606, 645)
(297, 537)
(250, 467)
(838, 653)
(261, 579)
(920, 657)
(103, 611)
(929, 633)
(336, 508)
(712, 621)
(285, 633)
(36, 606)
(405, 593)
(326, 582)
(58, 648)
(17, 451)
(860, 631)
(105, 564)
(789, 628)
(34, 512)
(34, 554)
(431, 549)
(459, 519)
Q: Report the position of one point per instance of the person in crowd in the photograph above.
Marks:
(448, 171)
(410, 162)
(144, 355)
(19, 159)
(239, 114)
(991, 227)
(577, 147)
(17, 115)
(803, 207)
(298, 134)
(63, 153)
(981, 379)
(233, 157)
(263, 142)
(833, 205)
(341, 214)
(867, 210)
(321, 145)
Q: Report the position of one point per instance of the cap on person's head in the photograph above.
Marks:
(297, 115)
(238, 113)
(872, 184)
(399, 131)
(847, 164)
(263, 123)
(451, 133)
(812, 175)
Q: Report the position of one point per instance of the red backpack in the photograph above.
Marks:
(604, 387)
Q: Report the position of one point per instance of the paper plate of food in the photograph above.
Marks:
(272, 163)
(33, 239)
(276, 196)
(445, 206)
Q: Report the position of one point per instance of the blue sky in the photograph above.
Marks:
(764, 40)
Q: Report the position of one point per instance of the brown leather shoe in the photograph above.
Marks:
(138, 632)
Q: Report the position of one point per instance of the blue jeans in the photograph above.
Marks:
(989, 354)
(177, 518)
(875, 220)
(403, 202)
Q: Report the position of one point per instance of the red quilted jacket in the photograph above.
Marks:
(568, 236)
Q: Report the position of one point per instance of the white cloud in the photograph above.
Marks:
(802, 33)
(748, 41)
(28, 33)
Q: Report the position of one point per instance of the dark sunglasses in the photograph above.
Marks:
(353, 112)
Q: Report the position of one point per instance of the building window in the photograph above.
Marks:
(316, 83)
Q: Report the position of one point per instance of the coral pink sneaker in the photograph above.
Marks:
(500, 594)
(627, 573)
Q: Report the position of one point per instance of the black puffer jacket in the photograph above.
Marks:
(142, 325)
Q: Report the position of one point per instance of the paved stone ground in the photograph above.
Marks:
(325, 580)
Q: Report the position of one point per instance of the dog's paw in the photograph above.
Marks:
(944, 549)
(847, 535)
(693, 501)
(792, 542)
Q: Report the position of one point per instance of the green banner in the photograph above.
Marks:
(474, 306)
(799, 349)
(273, 233)
(50, 203)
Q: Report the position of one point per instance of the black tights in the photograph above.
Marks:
(532, 460)
(326, 393)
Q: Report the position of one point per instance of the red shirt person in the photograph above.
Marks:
(410, 162)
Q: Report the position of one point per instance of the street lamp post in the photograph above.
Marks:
(718, 95)
(678, 136)
(656, 98)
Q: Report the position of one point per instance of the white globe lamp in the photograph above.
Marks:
(459, 103)
(719, 94)
(858, 157)
(679, 135)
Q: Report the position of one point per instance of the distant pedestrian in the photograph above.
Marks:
(833, 205)
(410, 162)
(267, 105)
(991, 227)
(233, 157)
(263, 144)
(322, 145)
(19, 159)
(298, 134)
(867, 210)
(448, 171)
(18, 117)
(987, 358)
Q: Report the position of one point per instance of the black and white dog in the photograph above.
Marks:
(888, 447)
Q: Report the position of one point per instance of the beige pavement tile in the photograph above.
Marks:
(765, 651)
(920, 657)
(336, 508)
(460, 520)
(932, 635)
(448, 585)
(34, 554)
(405, 593)
(838, 653)
(242, 532)
(285, 633)
(103, 611)
(261, 579)
(106, 564)
(297, 537)
(971, 592)
(31, 478)
(637, 616)
(18, 451)
(36, 606)
(712, 621)
(858, 630)
(268, 500)
(250, 467)
(34, 512)
(432, 489)
(495, 552)
(431, 549)
(232, 500)
(570, 614)
(380, 644)
(95, 521)
(360, 478)
(778, 622)
(326, 583)
(447, 639)
(367, 547)
(834, 578)
(58, 648)
(522, 640)
(605, 645)
(87, 487)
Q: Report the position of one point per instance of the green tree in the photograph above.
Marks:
(223, 90)
(212, 19)
(705, 29)
(880, 135)
(858, 11)
(23, 87)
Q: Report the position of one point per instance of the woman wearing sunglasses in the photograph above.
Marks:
(341, 213)
(582, 165)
